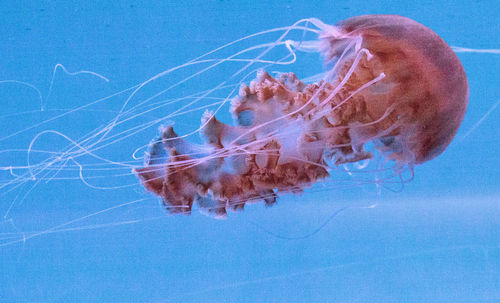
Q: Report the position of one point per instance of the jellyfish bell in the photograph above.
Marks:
(423, 78)
(391, 81)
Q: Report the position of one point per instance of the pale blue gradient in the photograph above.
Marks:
(435, 240)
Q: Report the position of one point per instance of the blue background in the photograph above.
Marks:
(435, 240)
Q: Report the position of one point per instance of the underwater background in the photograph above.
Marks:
(435, 239)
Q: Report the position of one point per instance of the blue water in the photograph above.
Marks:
(434, 240)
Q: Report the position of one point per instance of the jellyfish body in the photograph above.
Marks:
(393, 82)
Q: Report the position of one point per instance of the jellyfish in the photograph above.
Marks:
(389, 81)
